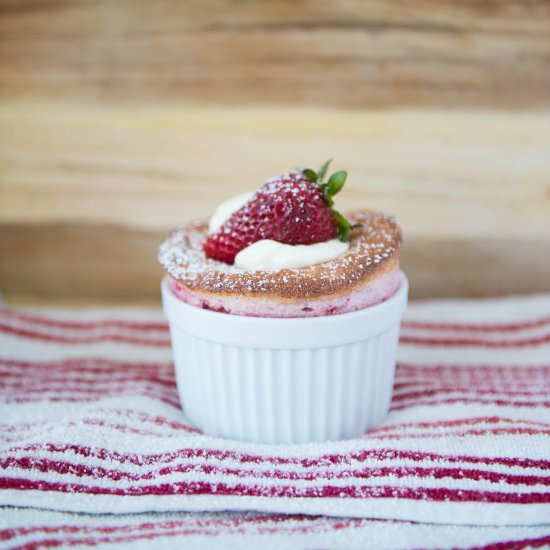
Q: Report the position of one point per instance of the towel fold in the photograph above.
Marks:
(90, 422)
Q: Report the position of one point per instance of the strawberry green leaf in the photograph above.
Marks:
(336, 182)
(322, 172)
(310, 175)
(343, 226)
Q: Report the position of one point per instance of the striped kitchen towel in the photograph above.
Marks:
(31, 529)
(90, 422)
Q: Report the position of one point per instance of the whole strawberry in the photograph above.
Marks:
(294, 208)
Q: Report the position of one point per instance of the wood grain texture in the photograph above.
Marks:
(87, 193)
(80, 261)
(348, 54)
(120, 120)
(443, 174)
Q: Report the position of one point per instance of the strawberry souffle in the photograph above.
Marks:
(284, 314)
(285, 252)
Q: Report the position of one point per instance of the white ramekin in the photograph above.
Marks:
(285, 380)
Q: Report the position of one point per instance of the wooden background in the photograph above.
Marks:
(120, 120)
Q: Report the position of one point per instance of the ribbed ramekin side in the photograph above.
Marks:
(285, 396)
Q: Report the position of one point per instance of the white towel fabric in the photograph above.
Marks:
(90, 422)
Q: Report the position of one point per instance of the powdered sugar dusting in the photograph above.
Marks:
(376, 242)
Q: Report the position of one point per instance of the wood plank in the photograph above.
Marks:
(352, 54)
(459, 174)
(79, 261)
(83, 264)
(87, 193)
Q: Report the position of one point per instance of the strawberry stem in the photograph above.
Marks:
(330, 188)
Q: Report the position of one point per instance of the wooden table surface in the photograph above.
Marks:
(119, 121)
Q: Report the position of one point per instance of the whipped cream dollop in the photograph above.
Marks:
(269, 255)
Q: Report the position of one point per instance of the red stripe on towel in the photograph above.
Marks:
(474, 342)
(439, 494)
(47, 321)
(538, 542)
(240, 525)
(35, 464)
(466, 400)
(458, 422)
(328, 460)
(478, 327)
(79, 340)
